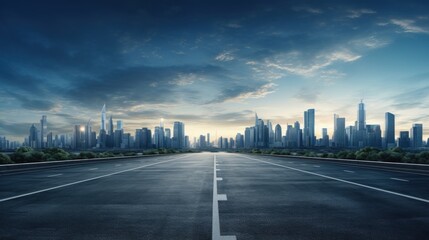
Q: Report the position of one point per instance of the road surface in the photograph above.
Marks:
(214, 196)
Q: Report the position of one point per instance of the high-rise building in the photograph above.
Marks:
(270, 132)
(361, 119)
(239, 141)
(417, 135)
(404, 139)
(103, 118)
(389, 130)
(43, 131)
(111, 127)
(373, 138)
(325, 137)
(361, 126)
(167, 138)
(309, 137)
(33, 139)
(179, 135)
(78, 137)
(278, 134)
(158, 137)
(88, 135)
(202, 141)
(119, 125)
(187, 143)
(208, 140)
(340, 132)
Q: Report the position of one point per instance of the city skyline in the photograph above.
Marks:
(299, 134)
(276, 58)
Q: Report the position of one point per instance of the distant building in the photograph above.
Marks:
(278, 136)
(309, 137)
(389, 130)
(404, 139)
(33, 139)
(373, 138)
(178, 135)
(416, 133)
(239, 141)
(339, 131)
(202, 141)
(43, 131)
(325, 137)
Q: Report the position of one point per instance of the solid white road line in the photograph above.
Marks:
(92, 169)
(399, 179)
(316, 166)
(117, 165)
(215, 213)
(349, 171)
(81, 181)
(55, 175)
(344, 181)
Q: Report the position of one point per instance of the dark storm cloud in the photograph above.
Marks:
(33, 104)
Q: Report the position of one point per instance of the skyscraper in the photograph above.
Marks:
(416, 135)
(111, 127)
(361, 121)
(404, 139)
(389, 130)
(340, 132)
(43, 131)
(103, 118)
(309, 134)
(33, 139)
(88, 135)
(77, 137)
(179, 135)
(119, 125)
(361, 126)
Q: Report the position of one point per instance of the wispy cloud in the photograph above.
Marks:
(409, 26)
(321, 61)
(357, 13)
(225, 57)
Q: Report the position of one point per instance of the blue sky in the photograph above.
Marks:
(212, 64)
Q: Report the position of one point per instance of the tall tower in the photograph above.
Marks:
(361, 121)
(389, 130)
(309, 134)
(111, 125)
(103, 118)
(43, 131)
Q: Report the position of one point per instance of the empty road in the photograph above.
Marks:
(214, 196)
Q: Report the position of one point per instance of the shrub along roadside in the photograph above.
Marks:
(27, 155)
(368, 153)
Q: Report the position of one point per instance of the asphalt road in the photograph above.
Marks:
(214, 196)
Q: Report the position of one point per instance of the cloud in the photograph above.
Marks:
(33, 104)
(357, 13)
(242, 92)
(225, 57)
(408, 26)
(316, 64)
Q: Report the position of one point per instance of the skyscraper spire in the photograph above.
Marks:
(256, 119)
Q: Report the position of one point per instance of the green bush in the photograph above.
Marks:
(5, 159)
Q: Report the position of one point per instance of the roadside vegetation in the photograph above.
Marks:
(368, 153)
(27, 154)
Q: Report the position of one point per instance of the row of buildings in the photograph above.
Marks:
(109, 136)
(359, 135)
